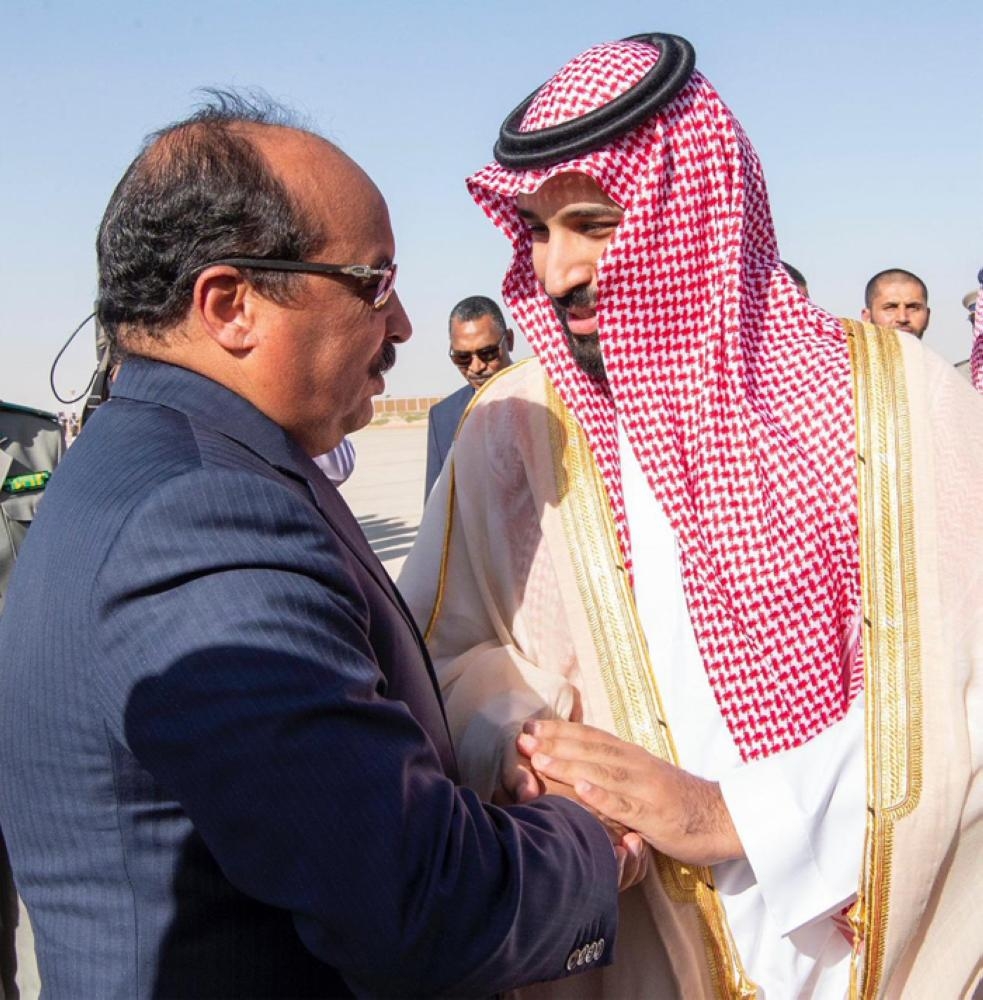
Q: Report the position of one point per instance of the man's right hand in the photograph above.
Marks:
(633, 856)
(519, 783)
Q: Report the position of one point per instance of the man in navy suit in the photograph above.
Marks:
(226, 767)
(481, 344)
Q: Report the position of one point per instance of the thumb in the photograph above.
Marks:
(526, 786)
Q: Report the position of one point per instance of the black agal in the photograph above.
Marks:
(544, 147)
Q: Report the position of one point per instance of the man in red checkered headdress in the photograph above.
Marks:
(708, 522)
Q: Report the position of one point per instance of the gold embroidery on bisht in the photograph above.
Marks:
(629, 681)
(892, 647)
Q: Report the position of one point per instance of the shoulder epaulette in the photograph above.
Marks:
(17, 408)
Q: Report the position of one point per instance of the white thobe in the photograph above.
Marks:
(800, 814)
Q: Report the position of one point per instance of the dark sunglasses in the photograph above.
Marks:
(385, 277)
(485, 354)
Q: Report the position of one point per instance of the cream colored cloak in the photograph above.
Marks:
(516, 577)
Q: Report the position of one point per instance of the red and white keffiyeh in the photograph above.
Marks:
(735, 392)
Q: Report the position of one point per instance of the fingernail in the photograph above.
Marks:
(527, 741)
(530, 726)
(583, 787)
(541, 760)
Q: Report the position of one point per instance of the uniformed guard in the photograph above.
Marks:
(31, 443)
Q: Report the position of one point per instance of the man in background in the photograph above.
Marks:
(481, 344)
(897, 299)
(798, 278)
(31, 445)
(972, 367)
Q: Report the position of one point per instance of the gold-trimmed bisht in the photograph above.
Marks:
(629, 681)
(891, 635)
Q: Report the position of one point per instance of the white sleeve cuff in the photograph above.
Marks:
(800, 815)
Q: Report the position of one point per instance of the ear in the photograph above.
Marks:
(224, 302)
(510, 339)
(865, 315)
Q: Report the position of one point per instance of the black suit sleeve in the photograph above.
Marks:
(240, 660)
(435, 460)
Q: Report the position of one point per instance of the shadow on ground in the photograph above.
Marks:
(390, 537)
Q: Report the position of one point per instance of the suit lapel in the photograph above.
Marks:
(339, 515)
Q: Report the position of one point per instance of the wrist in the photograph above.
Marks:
(710, 825)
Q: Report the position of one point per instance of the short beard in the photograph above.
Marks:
(586, 351)
(585, 348)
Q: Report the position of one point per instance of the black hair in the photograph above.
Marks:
(473, 308)
(794, 273)
(892, 272)
(199, 190)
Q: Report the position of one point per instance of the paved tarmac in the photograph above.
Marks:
(386, 488)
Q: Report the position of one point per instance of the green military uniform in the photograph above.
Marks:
(31, 443)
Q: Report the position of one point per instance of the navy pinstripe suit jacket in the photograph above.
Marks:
(226, 769)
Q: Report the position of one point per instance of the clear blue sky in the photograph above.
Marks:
(868, 118)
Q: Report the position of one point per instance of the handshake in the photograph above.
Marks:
(642, 801)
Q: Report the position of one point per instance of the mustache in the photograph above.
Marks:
(581, 297)
(386, 360)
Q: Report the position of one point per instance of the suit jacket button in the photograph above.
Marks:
(573, 960)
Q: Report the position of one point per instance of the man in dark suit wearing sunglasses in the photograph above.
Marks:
(481, 344)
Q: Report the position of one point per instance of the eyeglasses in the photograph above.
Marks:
(385, 277)
(485, 354)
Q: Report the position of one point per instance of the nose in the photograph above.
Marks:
(398, 325)
(477, 366)
(563, 265)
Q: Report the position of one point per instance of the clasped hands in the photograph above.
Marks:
(638, 797)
